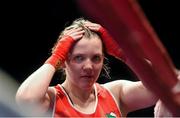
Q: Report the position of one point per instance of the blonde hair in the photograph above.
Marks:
(80, 22)
(77, 24)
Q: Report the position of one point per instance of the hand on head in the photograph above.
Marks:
(111, 45)
(63, 46)
(75, 33)
(92, 26)
(70, 35)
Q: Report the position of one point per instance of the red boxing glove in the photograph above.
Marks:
(60, 52)
(112, 48)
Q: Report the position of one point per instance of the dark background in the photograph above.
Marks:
(29, 29)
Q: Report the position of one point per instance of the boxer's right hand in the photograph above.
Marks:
(63, 46)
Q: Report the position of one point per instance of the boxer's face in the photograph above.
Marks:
(85, 62)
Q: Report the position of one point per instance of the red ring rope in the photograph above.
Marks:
(126, 22)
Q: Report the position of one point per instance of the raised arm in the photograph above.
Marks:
(131, 96)
(111, 47)
(35, 92)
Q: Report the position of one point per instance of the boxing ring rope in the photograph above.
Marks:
(126, 22)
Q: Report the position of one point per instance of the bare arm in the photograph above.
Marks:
(35, 91)
(131, 96)
(134, 96)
